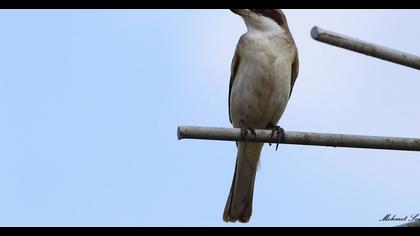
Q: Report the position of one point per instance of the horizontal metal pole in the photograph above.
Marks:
(366, 48)
(302, 138)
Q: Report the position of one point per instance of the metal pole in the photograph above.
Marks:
(302, 138)
(366, 48)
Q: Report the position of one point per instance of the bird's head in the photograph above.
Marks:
(263, 19)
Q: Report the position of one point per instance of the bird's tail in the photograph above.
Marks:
(239, 202)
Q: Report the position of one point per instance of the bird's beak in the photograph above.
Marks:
(241, 12)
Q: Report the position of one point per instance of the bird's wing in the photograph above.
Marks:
(295, 72)
(233, 70)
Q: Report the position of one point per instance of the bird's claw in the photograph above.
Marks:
(279, 135)
(244, 130)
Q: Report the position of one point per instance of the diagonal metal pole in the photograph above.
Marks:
(366, 48)
(302, 138)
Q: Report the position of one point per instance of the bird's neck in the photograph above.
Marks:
(265, 31)
(257, 33)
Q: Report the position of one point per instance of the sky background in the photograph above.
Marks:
(90, 101)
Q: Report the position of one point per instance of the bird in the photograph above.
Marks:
(264, 69)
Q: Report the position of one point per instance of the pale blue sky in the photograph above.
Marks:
(90, 101)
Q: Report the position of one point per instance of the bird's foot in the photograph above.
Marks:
(279, 134)
(244, 130)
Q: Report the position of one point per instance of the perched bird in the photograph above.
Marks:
(264, 69)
